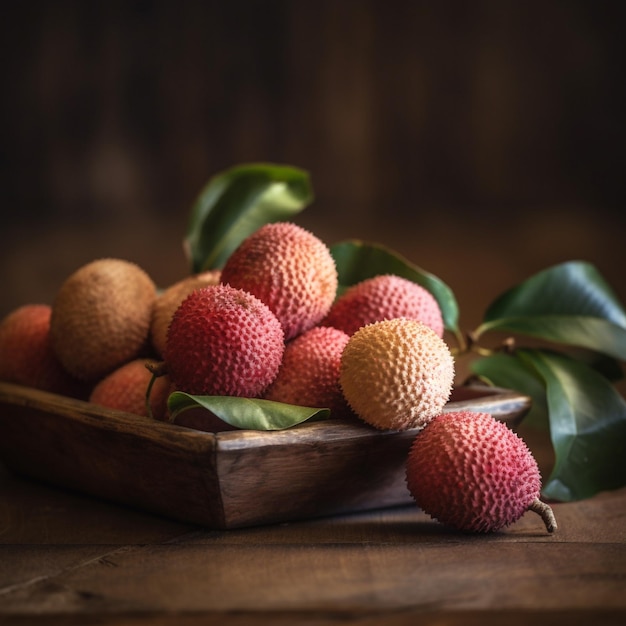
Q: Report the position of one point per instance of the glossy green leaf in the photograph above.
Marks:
(587, 427)
(246, 413)
(509, 372)
(358, 260)
(572, 288)
(237, 202)
(569, 303)
(610, 368)
(586, 332)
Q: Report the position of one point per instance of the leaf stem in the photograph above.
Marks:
(461, 343)
(473, 346)
(470, 344)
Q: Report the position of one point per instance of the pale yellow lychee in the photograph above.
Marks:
(396, 374)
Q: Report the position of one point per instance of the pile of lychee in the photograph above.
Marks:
(273, 324)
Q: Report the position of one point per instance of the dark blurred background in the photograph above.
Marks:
(484, 140)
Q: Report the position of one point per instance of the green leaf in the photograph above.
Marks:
(587, 427)
(509, 372)
(586, 332)
(609, 367)
(358, 260)
(569, 304)
(572, 288)
(246, 413)
(237, 202)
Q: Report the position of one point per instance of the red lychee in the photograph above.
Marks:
(309, 373)
(384, 297)
(125, 389)
(223, 341)
(26, 355)
(472, 473)
(289, 269)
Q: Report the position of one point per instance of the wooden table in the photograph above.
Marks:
(68, 559)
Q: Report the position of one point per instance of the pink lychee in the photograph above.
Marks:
(384, 297)
(309, 373)
(126, 388)
(473, 473)
(289, 269)
(26, 354)
(223, 341)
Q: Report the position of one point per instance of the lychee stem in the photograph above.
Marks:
(158, 369)
(547, 515)
(148, 392)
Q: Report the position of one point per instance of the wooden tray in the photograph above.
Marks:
(223, 480)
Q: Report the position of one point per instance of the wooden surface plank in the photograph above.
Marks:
(32, 513)
(348, 579)
(290, 618)
(67, 558)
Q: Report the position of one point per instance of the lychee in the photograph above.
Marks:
(126, 389)
(289, 269)
(223, 341)
(473, 473)
(101, 317)
(169, 300)
(26, 355)
(384, 297)
(309, 373)
(396, 374)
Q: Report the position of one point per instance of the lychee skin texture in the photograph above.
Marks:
(26, 355)
(384, 297)
(223, 341)
(125, 389)
(309, 373)
(396, 374)
(169, 300)
(101, 317)
(289, 269)
(471, 472)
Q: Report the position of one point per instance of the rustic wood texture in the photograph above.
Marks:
(111, 454)
(222, 480)
(71, 559)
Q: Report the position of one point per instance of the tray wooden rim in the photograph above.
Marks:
(221, 480)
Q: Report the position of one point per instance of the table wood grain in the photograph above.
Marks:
(70, 559)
